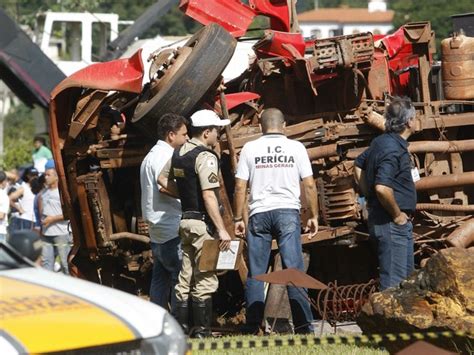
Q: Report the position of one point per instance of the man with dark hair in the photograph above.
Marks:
(39, 140)
(4, 206)
(40, 153)
(195, 167)
(162, 212)
(54, 228)
(273, 167)
(387, 179)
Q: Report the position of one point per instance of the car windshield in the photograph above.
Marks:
(9, 260)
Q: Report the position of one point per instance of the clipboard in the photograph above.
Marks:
(212, 258)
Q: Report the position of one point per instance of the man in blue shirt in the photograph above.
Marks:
(384, 174)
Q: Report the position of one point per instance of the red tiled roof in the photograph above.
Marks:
(346, 15)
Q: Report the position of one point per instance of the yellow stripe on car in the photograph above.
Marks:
(43, 319)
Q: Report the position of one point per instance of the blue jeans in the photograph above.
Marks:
(55, 245)
(166, 267)
(285, 226)
(395, 251)
(17, 224)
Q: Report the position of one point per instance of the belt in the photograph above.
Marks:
(200, 216)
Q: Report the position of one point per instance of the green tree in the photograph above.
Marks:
(19, 130)
(438, 12)
(306, 5)
(25, 11)
(175, 23)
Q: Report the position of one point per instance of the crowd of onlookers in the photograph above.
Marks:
(29, 200)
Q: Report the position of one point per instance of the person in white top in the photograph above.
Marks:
(163, 211)
(23, 200)
(273, 167)
(4, 206)
(54, 228)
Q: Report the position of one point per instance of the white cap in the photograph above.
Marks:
(203, 118)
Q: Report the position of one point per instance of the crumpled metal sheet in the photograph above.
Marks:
(117, 75)
(234, 16)
(291, 277)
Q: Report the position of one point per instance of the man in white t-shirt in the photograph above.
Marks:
(273, 167)
(4, 206)
(162, 211)
(54, 228)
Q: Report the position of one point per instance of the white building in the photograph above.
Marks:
(75, 40)
(329, 22)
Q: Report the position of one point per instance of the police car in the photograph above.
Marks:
(45, 312)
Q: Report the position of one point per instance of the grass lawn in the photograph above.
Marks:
(327, 349)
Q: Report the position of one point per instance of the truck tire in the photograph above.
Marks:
(212, 48)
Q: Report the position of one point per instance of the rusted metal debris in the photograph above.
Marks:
(463, 236)
(343, 303)
(333, 92)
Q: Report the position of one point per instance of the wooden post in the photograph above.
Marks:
(228, 133)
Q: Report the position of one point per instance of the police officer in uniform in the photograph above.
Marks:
(195, 169)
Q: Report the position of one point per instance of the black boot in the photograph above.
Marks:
(202, 313)
(182, 315)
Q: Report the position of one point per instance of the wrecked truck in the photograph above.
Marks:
(333, 92)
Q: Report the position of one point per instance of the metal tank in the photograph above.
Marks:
(458, 67)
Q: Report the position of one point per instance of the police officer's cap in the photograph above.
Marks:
(204, 118)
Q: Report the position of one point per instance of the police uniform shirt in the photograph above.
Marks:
(207, 167)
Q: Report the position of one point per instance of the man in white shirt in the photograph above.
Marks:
(162, 211)
(54, 228)
(4, 206)
(273, 166)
